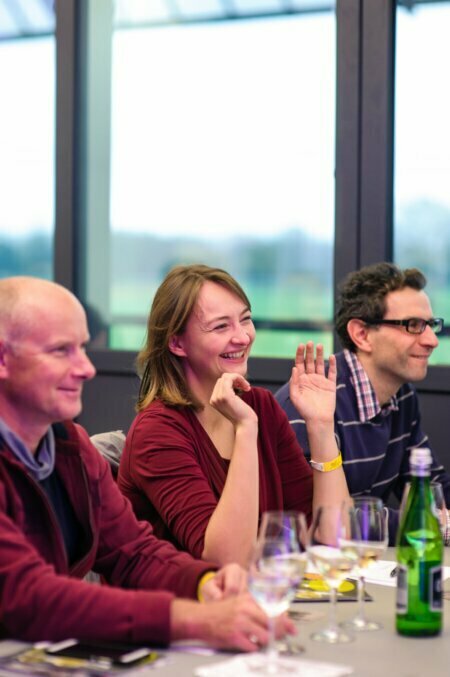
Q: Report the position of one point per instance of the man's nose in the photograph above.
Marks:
(429, 338)
(85, 368)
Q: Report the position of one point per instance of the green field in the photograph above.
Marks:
(308, 303)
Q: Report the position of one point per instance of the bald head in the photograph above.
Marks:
(24, 299)
(43, 360)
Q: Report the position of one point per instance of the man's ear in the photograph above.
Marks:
(359, 334)
(176, 346)
(3, 368)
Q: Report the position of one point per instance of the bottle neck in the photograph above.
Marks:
(420, 471)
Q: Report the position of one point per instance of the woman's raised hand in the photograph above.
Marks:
(312, 392)
(225, 399)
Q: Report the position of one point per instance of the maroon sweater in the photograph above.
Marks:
(174, 476)
(42, 597)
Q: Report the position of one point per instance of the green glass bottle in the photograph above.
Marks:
(419, 556)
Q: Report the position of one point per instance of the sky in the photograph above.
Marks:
(224, 129)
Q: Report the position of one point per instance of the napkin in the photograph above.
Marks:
(241, 665)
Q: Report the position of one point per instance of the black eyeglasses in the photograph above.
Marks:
(413, 325)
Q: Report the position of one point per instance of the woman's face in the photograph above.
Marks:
(217, 338)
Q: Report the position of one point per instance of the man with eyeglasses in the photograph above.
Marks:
(385, 323)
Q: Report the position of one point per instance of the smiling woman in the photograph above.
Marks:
(208, 453)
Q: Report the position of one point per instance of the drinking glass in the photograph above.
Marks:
(278, 564)
(365, 541)
(330, 524)
(439, 500)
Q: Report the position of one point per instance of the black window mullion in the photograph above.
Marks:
(65, 244)
(348, 139)
(377, 122)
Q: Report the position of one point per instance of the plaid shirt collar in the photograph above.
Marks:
(368, 403)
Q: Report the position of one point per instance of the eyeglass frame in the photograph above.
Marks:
(436, 324)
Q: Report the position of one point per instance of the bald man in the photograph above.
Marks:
(62, 515)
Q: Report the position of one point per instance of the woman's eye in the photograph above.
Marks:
(247, 319)
(221, 326)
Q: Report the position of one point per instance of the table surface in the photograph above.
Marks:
(373, 654)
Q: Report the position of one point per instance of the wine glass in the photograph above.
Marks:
(278, 565)
(439, 502)
(334, 564)
(365, 541)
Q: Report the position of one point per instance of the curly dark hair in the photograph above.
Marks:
(362, 295)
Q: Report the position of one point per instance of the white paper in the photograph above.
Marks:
(241, 665)
(380, 573)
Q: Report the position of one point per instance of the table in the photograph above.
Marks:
(374, 654)
(383, 653)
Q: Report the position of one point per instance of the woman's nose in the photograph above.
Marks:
(241, 335)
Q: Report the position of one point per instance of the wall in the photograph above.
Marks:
(109, 402)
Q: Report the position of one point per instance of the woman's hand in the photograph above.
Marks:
(311, 391)
(230, 580)
(228, 403)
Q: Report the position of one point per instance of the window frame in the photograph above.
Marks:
(364, 159)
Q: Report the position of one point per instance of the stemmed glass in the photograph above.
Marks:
(278, 564)
(330, 524)
(366, 541)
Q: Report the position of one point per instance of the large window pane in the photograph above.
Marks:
(422, 152)
(27, 134)
(222, 152)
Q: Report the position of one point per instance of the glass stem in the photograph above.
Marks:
(271, 650)
(332, 612)
(361, 589)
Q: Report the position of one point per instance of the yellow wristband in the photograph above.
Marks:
(204, 579)
(328, 465)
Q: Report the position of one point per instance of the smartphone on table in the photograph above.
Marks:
(113, 653)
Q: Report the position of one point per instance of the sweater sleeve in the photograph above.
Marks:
(295, 472)
(174, 470)
(38, 602)
(294, 418)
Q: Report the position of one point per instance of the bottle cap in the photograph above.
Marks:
(420, 458)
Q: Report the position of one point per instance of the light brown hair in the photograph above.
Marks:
(162, 375)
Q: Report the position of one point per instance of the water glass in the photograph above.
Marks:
(329, 526)
(278, 565)
(366, 540)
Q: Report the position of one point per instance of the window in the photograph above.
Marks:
(221, 152)
(27, 133)
(422, 152)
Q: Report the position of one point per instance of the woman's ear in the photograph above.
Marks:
(176, 346)
(359, 334)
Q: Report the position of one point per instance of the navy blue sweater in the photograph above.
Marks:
(375, 453)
